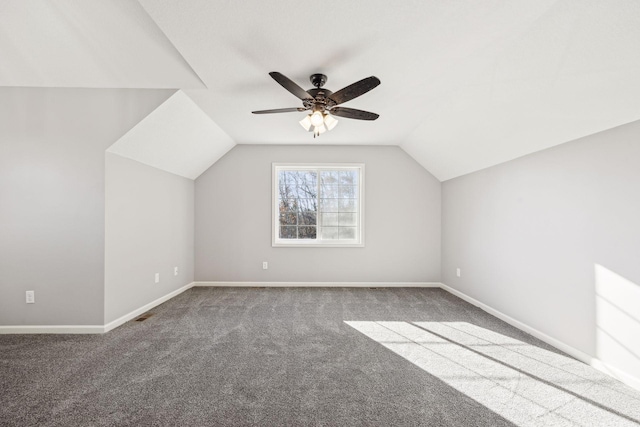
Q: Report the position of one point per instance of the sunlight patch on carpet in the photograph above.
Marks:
(525, 384)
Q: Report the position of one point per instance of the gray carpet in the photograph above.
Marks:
(302, 356)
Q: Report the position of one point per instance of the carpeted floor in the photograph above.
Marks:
(304, 356)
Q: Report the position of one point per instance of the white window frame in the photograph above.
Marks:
(276, 241)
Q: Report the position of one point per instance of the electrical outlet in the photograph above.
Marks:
(175, 271)
(157, 277)
(265, 265)
(31, 297)
(458, 272)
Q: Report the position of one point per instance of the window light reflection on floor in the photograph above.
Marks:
(525, 384)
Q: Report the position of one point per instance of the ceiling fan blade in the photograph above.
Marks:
(355, 90)
(289, 85)
(279, 110)
(352, 113)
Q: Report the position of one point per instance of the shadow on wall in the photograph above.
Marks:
(523, 383)
(617, 322)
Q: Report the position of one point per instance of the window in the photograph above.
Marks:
(318, 205)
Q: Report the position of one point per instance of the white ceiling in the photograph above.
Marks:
(87, 43)
(465, 84)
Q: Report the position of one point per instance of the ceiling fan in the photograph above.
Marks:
(323, 103)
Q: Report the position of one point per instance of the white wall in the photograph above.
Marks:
(233, 219)
(52, 144)
(149, 226)
(553, 240)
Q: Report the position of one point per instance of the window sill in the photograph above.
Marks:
(317, 245)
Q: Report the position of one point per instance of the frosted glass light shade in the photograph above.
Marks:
(330, 122)
(306, 123)
(321, 129)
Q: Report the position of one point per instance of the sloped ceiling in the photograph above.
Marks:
(572, 73)
(87, 43)
(176, 137)
(465, 84)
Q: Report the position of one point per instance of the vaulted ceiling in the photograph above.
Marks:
(465, 84)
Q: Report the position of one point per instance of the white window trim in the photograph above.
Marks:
(275, 222)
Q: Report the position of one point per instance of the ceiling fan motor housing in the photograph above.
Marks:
(320, 100)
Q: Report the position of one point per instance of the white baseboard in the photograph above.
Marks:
(52, 329)
(323, 284)
(616, 373)
(90, 329)
(629, 380)
(583, 357)
(138, 311)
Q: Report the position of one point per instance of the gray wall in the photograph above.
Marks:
(148, 229)
(52, 144)
(553, 240)
(233, 219)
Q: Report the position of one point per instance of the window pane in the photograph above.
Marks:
(329, 233)
(297, 184)
(288, 218)
(302, 205)
(349, 177)
(307, 218)
(286, 185)
(350, 219)
(348, 205)
(283, 184)
(307, 192)
(306, 232)
(329, 191)
(328, 205)
(347, 233)
(329, 177)
(288, 232)
(348, 192)
(329, 219)
(287, 205)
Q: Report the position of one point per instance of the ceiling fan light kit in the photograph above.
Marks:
(318, 123)
(322, 103)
